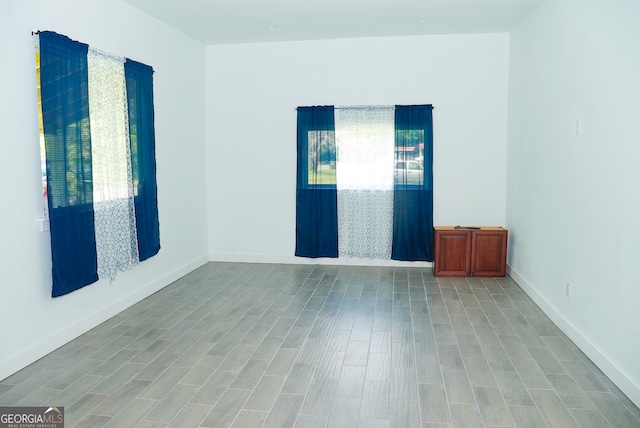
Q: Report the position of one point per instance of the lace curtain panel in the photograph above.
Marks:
(115, 220)
(365, 180)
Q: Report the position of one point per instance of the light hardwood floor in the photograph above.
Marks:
(252, 345)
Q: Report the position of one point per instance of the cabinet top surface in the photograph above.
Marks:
(469, 228)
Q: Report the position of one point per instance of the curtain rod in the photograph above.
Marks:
(345, 107)
(35, 32)
(363, 106)
(371, 107)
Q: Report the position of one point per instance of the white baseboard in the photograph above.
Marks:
(284, 259)
(55, 339)
(595, 354)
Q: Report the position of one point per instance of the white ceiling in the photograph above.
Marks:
(251, 21)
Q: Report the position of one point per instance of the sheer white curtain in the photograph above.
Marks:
(115, 222)
(364, 180)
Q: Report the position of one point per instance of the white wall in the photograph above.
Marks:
(253, 90)
(31, 322)
(573, 200)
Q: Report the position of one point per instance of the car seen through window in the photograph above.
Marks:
(409, 172)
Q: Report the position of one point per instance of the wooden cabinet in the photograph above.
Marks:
(463, 251)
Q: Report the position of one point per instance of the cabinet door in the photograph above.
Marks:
(489, 253)
(452, 253)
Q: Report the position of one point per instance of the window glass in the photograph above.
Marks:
(409, 169)
(365, 145)
(349, 157)
(43, 156)
(321, 157)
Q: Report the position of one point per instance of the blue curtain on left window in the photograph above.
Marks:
(316, 199)
(65, 110)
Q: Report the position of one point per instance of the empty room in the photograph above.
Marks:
(240, 303)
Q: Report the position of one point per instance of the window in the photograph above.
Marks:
(409, 168)
(43, 156)
(98, 141)
(376, 200)
(358, 151)
(322, 157)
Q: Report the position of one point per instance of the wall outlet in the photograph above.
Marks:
(568, 289)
